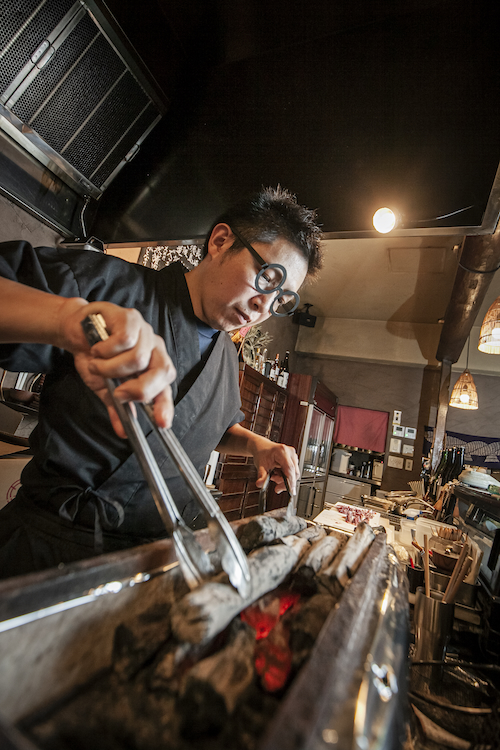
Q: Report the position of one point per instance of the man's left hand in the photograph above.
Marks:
(277, 459)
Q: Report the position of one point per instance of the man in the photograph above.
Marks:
(83, 492)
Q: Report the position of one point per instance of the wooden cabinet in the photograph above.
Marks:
(308, 426)
(263, 403)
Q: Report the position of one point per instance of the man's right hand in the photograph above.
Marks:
(132, 352)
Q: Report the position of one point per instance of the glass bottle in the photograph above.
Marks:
(275, 369)
(284, 371)
(458, 464)
(447, 474)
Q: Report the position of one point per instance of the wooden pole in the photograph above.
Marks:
(442, 412)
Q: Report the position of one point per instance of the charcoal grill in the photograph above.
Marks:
(56, 634)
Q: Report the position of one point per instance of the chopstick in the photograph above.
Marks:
(457, 570)
(426, 567)
(458, 581)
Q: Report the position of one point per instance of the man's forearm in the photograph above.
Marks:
(238, 441)
(28, 315)
(267, 455)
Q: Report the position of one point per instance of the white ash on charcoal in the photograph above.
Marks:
(299, 545)
(206, 611)
(212, 689)
(320, 555)
(334, 578)
(312, 533)
(265, 529)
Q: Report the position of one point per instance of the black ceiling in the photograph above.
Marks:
(351, 105)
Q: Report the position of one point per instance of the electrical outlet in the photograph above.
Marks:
(396, 419)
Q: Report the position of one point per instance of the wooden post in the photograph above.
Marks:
(442, 412)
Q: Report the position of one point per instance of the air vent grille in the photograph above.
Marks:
(86, 108)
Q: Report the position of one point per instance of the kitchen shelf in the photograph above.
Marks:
(375, 482)
(376, 454)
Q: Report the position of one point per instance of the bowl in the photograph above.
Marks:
(444, 553)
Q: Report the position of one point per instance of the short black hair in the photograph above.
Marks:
(272, 213)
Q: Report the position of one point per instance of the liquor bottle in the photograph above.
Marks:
(263, 362)
(458, 464)
(275, 369)
(425, 475)
(284, 371)
(447, 474)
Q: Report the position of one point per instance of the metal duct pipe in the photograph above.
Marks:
(479, 260)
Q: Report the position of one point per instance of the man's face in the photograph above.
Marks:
(228, 297)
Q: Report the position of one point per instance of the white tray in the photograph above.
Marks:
(331, 517)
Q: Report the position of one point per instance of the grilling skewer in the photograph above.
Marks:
(193, 560)
(426, 566)
(460, 570)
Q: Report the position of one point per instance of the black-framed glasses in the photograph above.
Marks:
(271, 278)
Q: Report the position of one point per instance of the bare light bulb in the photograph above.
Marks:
(384, 220)
(464, 398)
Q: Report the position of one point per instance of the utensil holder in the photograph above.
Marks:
(433, 625)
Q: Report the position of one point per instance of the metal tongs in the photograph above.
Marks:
(291, 508)
(193, 560)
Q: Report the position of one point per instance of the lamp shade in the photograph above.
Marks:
(489, 337)
(464, 394)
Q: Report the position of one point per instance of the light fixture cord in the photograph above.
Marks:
(468, 342)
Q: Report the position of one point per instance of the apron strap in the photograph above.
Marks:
(104, 509)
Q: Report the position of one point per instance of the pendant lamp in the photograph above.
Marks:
(489, 337)
(464, 394)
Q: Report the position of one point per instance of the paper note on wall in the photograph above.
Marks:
(395, 462)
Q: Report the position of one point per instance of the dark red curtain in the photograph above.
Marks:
(361, 428)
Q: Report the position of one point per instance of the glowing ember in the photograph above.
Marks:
(273, 659)
(264, 614)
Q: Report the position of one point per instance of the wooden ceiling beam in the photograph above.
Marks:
(479, 260)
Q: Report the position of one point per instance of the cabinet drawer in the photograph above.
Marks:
(231, 503)
(341, 486)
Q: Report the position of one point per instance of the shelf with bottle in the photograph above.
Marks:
(358, 463)
(277, 370)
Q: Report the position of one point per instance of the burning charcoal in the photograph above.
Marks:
(319, 556)
(213, 687)
(136, 643)
(207, 610)
(312, 533)
(335, 577)
(266, 612)
(304, 623)
(264, 529)
(273, 659)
